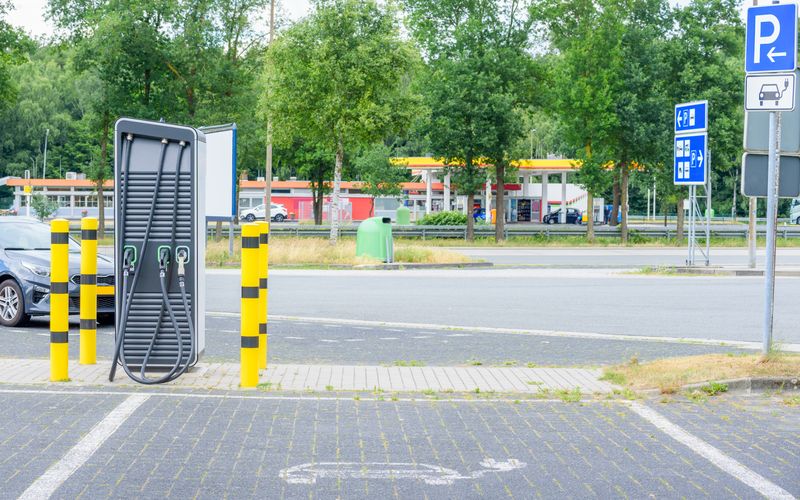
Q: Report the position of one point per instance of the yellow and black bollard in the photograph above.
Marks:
(59, 300)
(250, 314)
(88, 342)
(263, 274)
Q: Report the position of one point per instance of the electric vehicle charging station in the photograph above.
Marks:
(159, 248)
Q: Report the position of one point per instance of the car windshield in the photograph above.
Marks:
(28, 236)
(770, 88)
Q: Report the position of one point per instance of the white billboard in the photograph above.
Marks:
(220, 172)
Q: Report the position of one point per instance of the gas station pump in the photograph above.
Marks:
(159, 248)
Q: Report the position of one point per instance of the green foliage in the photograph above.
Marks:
(340, 77)
(43, 206)
(443, 219)
(379, 176)
(714, 388)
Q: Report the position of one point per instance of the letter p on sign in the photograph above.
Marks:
(760, 39)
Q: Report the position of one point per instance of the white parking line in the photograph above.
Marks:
(712, 454)
(59, 472)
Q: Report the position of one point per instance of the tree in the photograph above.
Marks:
(478, 74)
(583, 72)
(43, 206)
(340, 78)
(378, 175)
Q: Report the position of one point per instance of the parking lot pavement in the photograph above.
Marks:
(298, 342)
(212, 445)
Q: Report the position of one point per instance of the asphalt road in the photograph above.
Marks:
(633, 257)
(299, 342)
(601, 301)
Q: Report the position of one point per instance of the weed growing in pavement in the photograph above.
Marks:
(394, 397)
(477, 390)
(626, 393)
(474, 362)
(714, 388)
(429, 392)
(531, 364)
(568, 396)
(534, 382)
(328, 387)
(509, 363)
(542, 393)
(264, 386)
(697, 396)
(357, 397)
(377, 390)
(413, 362)
(613, 377)
(792, 401)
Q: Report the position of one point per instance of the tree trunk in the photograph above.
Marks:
(615, 201)
(679, 223)
(337, 181)
(470, 219)
(624, 203)
(589, 216)
(500, 223)
(589, 202)
(218, 231)
(318, 201)
(101, 206)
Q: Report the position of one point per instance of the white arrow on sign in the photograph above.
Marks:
(699, 158)
(772, 54)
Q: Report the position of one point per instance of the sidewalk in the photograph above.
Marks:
(331, 377)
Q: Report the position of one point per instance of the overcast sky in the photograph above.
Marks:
(29, 14)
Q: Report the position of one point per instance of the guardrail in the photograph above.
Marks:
(545, 231)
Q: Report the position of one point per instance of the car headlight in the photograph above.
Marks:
(42, 271)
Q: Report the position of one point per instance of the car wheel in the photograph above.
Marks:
(797, 221)
(105, 319)
(280, 218)
(12, 304)
(551, 220)
(250, 217)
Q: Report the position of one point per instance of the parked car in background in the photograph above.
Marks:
(25, 274)
(278, 213)
(574, 216)
(794, 212)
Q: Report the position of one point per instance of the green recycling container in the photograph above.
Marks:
(403, 216)
(374, 239)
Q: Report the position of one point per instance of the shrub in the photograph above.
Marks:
(444, 219)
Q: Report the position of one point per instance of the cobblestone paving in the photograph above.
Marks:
(301, 342)
(761, 431)
(36, 430)
(238, 448)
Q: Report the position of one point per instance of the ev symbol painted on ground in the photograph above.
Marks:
(308, 473)
(771, 40)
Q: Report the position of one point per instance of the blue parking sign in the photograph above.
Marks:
(690, 159)
(771, 39)
(691, 117)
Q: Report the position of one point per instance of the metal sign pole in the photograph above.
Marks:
(708, 209)
(772, 222)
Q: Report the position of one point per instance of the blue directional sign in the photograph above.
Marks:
(691, 117)
(690, 159)
(771, 40)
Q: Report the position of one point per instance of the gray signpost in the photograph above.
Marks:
(691, 159)
(771, 52)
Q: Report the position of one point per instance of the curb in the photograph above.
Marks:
(401, 265)
(742, 385)
(718, 271)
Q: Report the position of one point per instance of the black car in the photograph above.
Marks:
(574, 216)
(25, 274)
